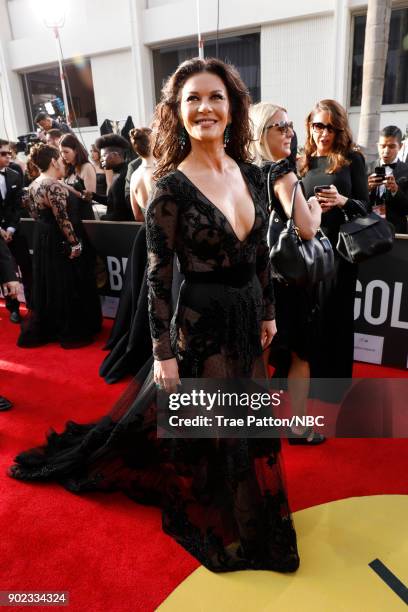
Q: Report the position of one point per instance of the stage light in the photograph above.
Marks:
(53, 12)
(53, 15)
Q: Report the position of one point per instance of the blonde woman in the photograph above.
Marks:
(291, 348)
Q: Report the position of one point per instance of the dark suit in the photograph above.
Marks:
(396, 206)
(10, 212)
(7, 267)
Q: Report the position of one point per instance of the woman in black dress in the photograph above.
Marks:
(331, 159)
(222, 499)
(291, 349)
(130, 343)
(66, 306)
(101, 183)
(80, 177)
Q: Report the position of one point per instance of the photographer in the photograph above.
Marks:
(388, 180)
(53, 137)
(45, 123)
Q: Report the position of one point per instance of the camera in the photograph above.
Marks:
(26, 141)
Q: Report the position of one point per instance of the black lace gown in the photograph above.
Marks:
(223, 500)
(66, 305)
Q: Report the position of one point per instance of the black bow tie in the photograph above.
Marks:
(392, 166)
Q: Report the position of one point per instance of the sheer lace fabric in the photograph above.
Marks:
(223, 500)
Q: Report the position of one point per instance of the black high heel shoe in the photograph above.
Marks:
(317, 438)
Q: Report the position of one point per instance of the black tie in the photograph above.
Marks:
(392, 166)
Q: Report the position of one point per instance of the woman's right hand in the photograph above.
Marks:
(166, 375)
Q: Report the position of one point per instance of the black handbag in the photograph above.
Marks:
(296, 261)
(364, 237)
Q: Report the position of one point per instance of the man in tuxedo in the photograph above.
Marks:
(9, 284)
(10, 212)
(391, 190)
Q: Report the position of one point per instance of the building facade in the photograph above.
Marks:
(117, 54)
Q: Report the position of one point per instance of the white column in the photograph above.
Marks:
(341, 41)
(142, 67)
(13, 121)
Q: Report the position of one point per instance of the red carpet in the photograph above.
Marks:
(109, 553)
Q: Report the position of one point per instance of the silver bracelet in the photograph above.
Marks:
(77, 247)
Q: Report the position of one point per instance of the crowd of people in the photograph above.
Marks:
(199, 293)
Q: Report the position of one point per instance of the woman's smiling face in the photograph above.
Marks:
(205, 107)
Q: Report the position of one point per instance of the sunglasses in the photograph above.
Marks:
(5, 153)
(320, 127)
(283, 126)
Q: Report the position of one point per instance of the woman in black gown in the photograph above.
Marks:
(80, 176)
(66, 305)
(222, 499)
(130, 343)
(331, 160)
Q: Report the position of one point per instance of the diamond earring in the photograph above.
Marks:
(227, 135)
(183, 137)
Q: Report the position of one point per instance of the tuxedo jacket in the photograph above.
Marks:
(10, 207)
(7, 268)
(396, 206)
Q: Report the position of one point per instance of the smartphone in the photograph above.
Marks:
(320, 188)
(380, 171)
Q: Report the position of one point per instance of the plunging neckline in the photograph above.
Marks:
(219, 209)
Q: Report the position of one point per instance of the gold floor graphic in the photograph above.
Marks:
(337, 542)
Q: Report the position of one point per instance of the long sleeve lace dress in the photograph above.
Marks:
(223, 500)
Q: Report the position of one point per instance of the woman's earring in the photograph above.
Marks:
(227, 135)
(183, 137)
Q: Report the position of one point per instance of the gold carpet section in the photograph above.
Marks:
(336, 541)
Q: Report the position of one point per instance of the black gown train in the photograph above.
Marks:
(129, 343)
(223, 500)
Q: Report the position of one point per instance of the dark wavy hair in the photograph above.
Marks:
(41, 155)
(343, 143)
(81, 156)
(167, 150)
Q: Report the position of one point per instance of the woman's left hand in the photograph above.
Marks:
(268, 330)
(330, 198)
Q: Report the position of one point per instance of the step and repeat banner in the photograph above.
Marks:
(381, 308)
(381, 303)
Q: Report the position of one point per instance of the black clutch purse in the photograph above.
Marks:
(364, 237)
(296, 261)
